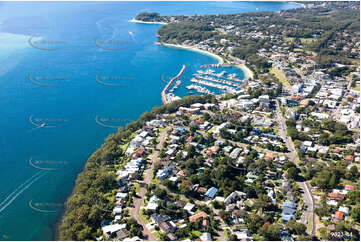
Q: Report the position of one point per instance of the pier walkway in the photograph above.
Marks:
(163, 93)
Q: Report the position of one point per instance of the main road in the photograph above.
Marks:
(306, 195)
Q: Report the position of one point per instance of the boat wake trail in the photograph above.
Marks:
(20, 189)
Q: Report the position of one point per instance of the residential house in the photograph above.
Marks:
(200, 215)
(167, 227)
(157, 218)
(335, 196)
(206, 237)
(288, 210)
(153, 203)
(122, 234)
(211, 192)
(338, 216)
(189, 207)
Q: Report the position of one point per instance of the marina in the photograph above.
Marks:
(204, 81)
(218, 80)
(225, 81)
(177, 84)
(200, 89)
(214, 85)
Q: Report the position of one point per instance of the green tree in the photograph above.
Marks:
(333, 180)
(355, 213)
(271, 232)
(295, 227)
(292, 173)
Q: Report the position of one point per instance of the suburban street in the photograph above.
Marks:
(147, 179)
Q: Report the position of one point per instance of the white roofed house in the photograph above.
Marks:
(308, 143)
(227, 149)
(220, 127)
(296, 88)
(208, 105)
(235, 153)
(345, 210)
(320, 115)
(205, 126)
(121, 195)
(197, 105)
(144, 134)
(122, 175)
(108, 230)
(228, 103)
(174, 139)
(135, 143)
(243, 236)
(153, 203)
(206, 237)
(243, 103)
(231, 198)
(117, 210)
(156, 123)
(189, 207)
(189, 110)
(170, 151)
(264, 101)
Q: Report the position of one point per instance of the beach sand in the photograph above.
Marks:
(143, 22)
(186, 47)
(247, 72)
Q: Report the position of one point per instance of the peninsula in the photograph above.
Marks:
(275, 157)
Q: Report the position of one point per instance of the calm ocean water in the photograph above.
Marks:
(58, 72)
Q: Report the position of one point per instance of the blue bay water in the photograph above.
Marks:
(74, 101)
